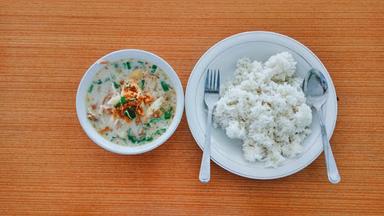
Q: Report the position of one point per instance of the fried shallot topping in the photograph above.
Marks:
(130, 105)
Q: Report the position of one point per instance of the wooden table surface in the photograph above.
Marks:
(48, 166)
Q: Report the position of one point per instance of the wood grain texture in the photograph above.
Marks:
(48, 166)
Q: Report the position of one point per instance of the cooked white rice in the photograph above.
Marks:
(265, 107)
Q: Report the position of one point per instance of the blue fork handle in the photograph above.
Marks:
(205, 167)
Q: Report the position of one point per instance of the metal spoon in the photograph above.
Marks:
(315, 88)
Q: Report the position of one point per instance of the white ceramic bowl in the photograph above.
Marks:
(81, 108)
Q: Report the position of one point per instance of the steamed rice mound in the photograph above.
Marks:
(265, 107)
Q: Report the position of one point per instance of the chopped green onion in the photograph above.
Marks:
(167, 114)
(141, 84)
(160, 131)
(98, 82)
(90, 88)
(127, 65)
(131, 137)
(154, 68)
(141, 62)
(116, 85)
(164, 85)
(130, 113)
(123, 100)
(141, 139)
(154, 120)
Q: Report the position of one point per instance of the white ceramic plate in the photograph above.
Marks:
(81, 108)
(259, 46)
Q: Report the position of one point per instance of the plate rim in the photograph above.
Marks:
(188, 101)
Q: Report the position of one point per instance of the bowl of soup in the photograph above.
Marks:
(130, 101)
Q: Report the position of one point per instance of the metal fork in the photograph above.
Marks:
(211, 96)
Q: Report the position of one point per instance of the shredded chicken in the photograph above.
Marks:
(91, 116)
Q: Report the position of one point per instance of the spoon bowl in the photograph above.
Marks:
(315, 88)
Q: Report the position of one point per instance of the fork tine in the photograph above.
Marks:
(207, 80)
(212, 80)
(218, 80)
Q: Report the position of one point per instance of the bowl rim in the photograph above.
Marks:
(87, 79)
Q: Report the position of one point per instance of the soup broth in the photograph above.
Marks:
(131, 101)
